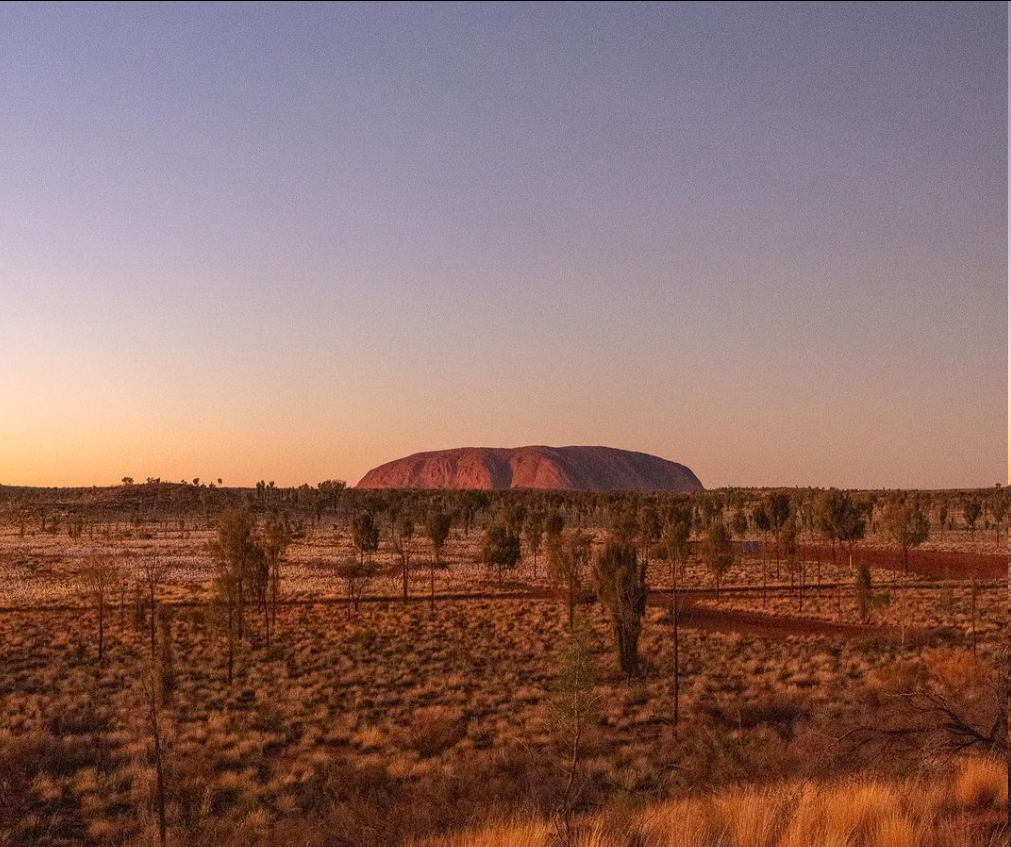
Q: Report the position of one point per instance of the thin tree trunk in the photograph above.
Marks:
(974, 616)
(677, 662)
(159, 770)
(573, 765)
(231, 642)
(154, 637)
(101, 627)
(274, 591)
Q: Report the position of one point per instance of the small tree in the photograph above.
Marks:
(364, 534)
(98, 575)
(274, 541)
(259, 583)
(568, 559)
(763, 524)
(235, 551)
(573, 706)
(999, 508)
(971, 512)
(554, 523)
(864, 588)
(437, 528)
(907, 526)
(850, 523)
(356, 574)
(153, 705)
(718, 552)
(778, 509)
(622, 589)
(955, 703)
(739, 524)
(235, 554)
(794, 562)
(402, 539)
(674, 547)
(501, 548)
(826, 510)
(533, 534)
(152, 572)
(648, 531)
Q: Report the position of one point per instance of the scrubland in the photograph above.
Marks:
(442, 723)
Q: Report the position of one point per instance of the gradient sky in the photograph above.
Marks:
(292, 242)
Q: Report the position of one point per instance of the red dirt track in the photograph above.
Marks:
(710, 619)
(940, 564)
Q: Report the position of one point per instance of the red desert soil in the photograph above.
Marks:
(779, 626)
(556, 468)
(692, 616)
(940, 564)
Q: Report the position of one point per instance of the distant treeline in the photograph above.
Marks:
(333, 499)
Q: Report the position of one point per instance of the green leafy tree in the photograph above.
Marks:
(622, 589)
(998, 509)
(739, 524)
(972, 510)
(568, 560)
(789, 538)
(907, 526)
(778, 507)
(760, 517)
(717, 552)
(437, 526)
(501, 548)
(364, 534)
(850, 523)
(402, 539)
(330, 493)
(533, 533)
(826, 508)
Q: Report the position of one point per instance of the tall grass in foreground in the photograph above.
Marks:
(968, 811)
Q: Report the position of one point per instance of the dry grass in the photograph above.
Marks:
(849, 813)
(982, 783)
(400, 723)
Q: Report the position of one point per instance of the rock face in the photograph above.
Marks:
(559, 468)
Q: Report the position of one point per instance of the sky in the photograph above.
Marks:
(291, 242)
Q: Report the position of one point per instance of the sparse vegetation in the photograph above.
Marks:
(340, 709)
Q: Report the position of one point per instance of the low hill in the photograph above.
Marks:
(556, 468)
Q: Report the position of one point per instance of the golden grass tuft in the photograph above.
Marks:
(982, 783)
(849, 813)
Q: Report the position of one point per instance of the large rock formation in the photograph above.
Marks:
(560, 468)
